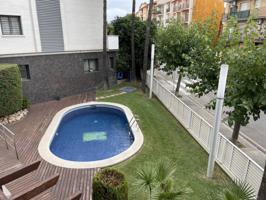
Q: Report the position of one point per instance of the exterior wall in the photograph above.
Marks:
(143, 11)
(203, 9)
(28, 42)
(59, 75)
(60, 25)
(259, 13)
(82, 22)
(50, 25)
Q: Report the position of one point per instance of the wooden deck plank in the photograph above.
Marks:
(29, 132)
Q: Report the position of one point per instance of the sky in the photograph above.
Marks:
(120, 8)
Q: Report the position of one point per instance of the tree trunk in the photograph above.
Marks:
(105, 65)
(236, 130)
(178, 85)
(262, 191)
(146, 47)
(133, 62)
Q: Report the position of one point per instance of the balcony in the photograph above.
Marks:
(241, 15)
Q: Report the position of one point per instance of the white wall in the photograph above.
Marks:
(82, 24)
(113, 42)
(28, 42)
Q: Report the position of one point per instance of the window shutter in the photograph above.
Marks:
(5, 25)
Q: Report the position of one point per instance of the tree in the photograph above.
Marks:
(122, 26)
(173, 44)
(147, 46)
(105, 66)
(133, 63)
(246, 85)
(262, 191)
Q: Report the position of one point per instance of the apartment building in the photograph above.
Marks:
(243, 9)
(165, 10)
(143, 11)
(57, 44)
(186, 10)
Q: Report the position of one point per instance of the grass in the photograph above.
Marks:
(166, 139)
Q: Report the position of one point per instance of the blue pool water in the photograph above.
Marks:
(91, 134)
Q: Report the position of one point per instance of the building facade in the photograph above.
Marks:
(57, 44)
(243, 9)
(186, 10)
(143, 11)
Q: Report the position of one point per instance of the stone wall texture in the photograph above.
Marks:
(58, 75)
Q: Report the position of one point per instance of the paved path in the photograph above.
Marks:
(253, 139)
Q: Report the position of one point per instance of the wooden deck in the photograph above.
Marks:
(28, 132)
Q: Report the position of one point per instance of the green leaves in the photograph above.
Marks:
(239, 191)
(157, 181)
(173, 44)
(122, 26)
(245, 92)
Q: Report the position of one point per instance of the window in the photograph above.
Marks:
(257, 3)
(91, 65)
(24, 71)
(244, 6)
(11, 25)
(112, 62)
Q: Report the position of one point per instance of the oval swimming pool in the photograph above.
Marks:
(89, 135)
(92, 133)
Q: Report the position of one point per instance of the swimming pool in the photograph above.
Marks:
(89, 135)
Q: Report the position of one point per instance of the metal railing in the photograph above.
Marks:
(237, 164)
(8, 137)
(241, 15)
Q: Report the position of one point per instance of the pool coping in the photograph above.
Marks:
(47, 155)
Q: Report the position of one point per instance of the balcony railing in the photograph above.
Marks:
(241, 15)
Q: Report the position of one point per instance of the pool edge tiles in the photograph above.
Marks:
(46, 153)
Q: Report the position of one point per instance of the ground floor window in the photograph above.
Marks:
(24, 71)
(91, 65)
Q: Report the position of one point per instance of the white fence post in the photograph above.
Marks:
(152, 69)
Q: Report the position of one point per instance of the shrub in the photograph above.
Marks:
(25, 103)
(10, 89)
(109, 184)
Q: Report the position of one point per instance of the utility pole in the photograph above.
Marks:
(218, 118)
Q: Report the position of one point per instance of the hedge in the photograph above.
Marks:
(109, 184)
(10, 89)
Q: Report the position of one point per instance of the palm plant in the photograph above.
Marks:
(146, 180)
(238, 191)
(158, 181)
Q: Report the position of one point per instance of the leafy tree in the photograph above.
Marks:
(122, 26)
(246, 86)
(173, 44)
(158, 181)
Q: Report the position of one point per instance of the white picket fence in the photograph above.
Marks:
(231, 159)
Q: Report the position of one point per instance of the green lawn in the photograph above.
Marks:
(165, 138)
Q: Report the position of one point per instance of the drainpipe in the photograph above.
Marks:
(33, 27)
